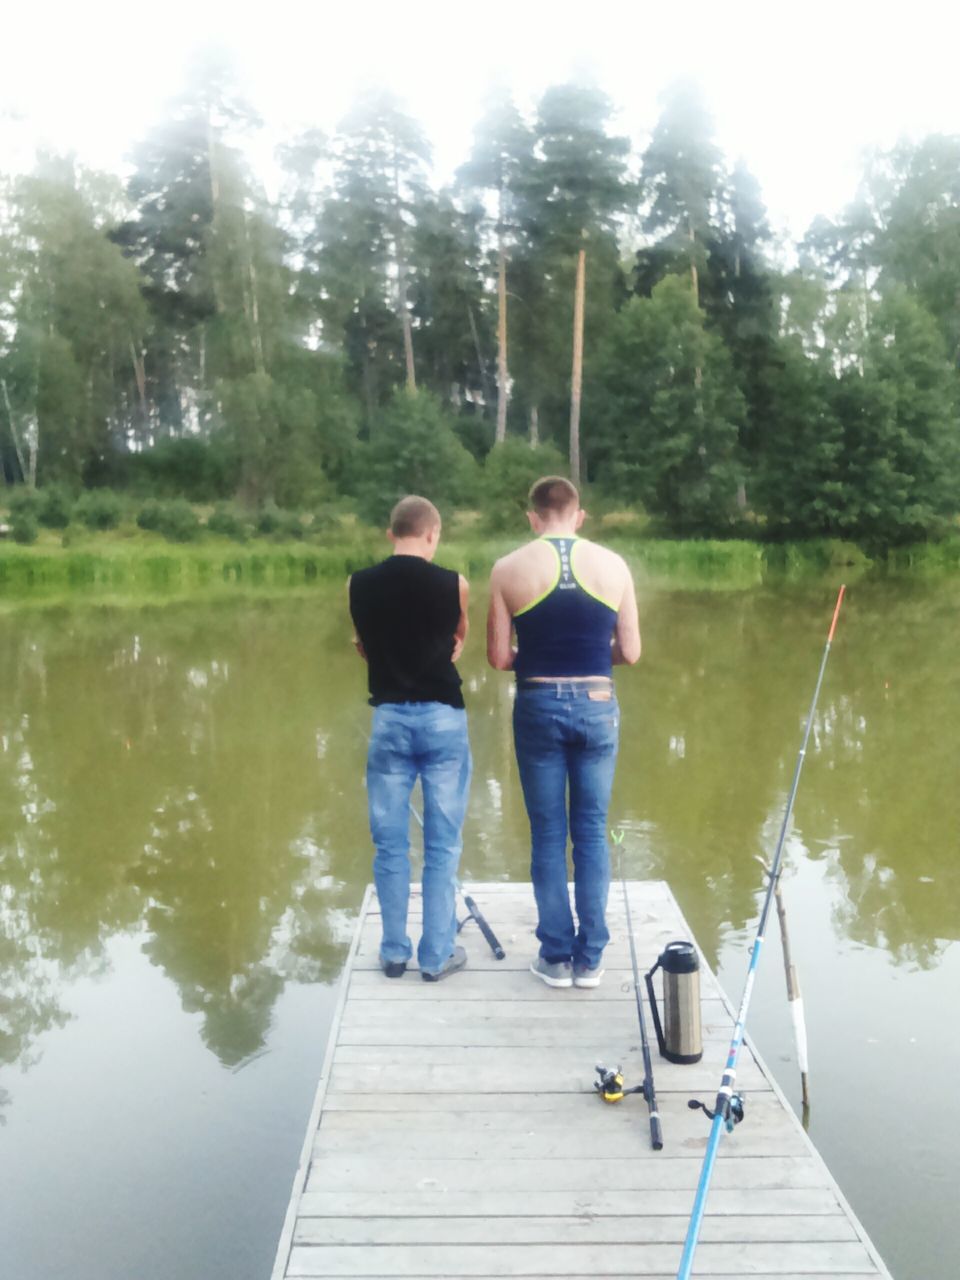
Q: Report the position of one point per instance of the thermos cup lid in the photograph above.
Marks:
(680, 957)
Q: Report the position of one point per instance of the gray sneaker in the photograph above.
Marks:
(554, 975)
(455, 962)
(584, 977)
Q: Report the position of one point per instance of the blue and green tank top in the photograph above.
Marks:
(567, 630)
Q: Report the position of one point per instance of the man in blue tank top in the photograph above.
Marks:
(571, 606)
(410, 618)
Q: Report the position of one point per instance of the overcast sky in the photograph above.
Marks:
(797, 90)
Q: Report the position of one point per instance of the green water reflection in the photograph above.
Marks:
(181, 799)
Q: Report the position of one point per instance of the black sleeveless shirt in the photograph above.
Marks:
(406, 611)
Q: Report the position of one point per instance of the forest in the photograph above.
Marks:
(341, 330)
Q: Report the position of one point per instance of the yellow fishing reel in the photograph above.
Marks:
(609, 1084)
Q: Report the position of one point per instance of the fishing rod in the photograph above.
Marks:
(728, 1108)
(610, 1083)
(473, 911)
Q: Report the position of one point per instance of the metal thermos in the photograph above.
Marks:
(679, 1037)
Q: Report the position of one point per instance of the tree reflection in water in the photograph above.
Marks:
(194, 773)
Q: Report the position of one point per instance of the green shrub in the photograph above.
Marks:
(24, 501)
(269, 520)
(227, 523)
(324, 521)
(150, 515)
(291, 526)
(198, 470)
(176, 519)
(509, 471)
(23, 526)
(56, 507)
(413, 449)
(99, 509)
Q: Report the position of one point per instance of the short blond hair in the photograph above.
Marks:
(413, 517)
(553, 495)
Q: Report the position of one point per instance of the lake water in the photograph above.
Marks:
(183, 849)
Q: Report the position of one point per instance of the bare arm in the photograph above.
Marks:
(499, 628)
(357, 643)
(626, 635)
(463, 626)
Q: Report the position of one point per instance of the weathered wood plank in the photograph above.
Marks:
(367, 1013)
(500, 981)
(374, 1175)
(460, 1136)
(614, 1202)
(617, 1133)
(561, 1231)
(598, 1260)
(500, 1024)
(459, 1069)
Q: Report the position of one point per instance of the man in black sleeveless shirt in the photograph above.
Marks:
(410, 618)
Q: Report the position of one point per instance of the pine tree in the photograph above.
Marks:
(681, 179)
(666, 412)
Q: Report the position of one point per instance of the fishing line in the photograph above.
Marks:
(728, 1108)
(610, 1084)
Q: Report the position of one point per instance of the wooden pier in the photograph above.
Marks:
(456, 1131)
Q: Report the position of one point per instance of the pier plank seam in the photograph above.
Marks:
(397, 1183)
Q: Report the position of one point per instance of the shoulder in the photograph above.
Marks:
(601, 556)
(519, 558)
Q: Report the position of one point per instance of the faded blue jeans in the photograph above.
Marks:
(563, 737)
(408, 739)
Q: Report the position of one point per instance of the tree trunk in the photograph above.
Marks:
(253, 314)
(693, 263)
(402, 284)
(534, 427)
(13, 429)
(503, 376)
(481, 365)
(140, 377)
(214, 208)
(33, 446)
(577, 376)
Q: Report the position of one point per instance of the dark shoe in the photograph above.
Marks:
(584, 977)
(456, 961)
(557, 974)
(393, 968)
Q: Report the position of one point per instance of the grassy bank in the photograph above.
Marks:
(119, 565)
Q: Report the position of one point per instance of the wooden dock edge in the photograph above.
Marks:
(306, 1154)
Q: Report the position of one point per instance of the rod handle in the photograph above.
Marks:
(492, 940)
(656, 1133)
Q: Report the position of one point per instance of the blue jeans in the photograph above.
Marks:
(408, 739)
(563, 736)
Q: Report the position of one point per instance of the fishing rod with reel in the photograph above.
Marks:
(728, 1109)
(609, 1083)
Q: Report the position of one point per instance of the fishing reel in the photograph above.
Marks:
(609, 1084)
(731, 1111)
